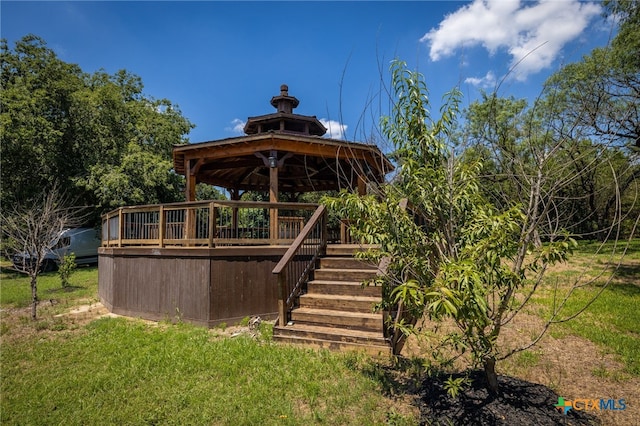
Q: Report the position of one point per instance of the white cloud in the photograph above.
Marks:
(237, 126)
(335, 129)
(486, 82)
(532, 33)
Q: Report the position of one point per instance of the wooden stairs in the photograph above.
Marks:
(337, 310)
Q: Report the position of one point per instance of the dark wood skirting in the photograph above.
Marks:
(204, 286)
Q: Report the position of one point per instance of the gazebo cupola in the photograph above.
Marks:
(285, 121)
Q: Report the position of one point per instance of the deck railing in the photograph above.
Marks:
(205, 224)
(299, 261)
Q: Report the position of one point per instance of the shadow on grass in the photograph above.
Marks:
(11, 272)
(401, 377)
(629, 271)
(67, 289)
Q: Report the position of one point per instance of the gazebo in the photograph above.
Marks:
(281, 152)
(218, 261)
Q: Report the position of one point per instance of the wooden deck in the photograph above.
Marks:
(231, 262)
(205, 262)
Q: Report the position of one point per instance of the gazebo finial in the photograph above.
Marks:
(284, 102)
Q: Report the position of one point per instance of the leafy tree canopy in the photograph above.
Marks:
(600, 94)
(98, 135)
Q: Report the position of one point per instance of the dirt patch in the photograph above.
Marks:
(88, 312)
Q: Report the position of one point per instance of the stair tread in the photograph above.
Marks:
(363, 270)
(337, 313)
(345, 257)
(353, 246)
(383, 347)
(334, 331)
(350, 259)
(354, 283)
(341, 297)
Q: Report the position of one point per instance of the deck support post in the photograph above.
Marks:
(362, 185)
(161, 226)
(108, 239)
(235, 196)
(190, 188)
(120, 227)
(282, 298)
(212, 223)
(273, 195)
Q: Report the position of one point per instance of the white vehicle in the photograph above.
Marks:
(83, 242)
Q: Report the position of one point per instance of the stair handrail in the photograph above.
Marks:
(310, 244)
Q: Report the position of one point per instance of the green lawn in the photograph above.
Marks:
(123, 371)
(15, 290)
(613, 319)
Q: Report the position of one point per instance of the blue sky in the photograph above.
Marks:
(221, 62)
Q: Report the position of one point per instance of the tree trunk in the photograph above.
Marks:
(490, 373)
(34, 296)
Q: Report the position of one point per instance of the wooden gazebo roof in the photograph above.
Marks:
(283, 146)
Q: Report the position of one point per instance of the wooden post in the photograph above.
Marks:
(161, 226)
(190, 188)
(108, 232)
(212, 223)
(235, 196)
(273, 196)
(190, 185)
(362, 185)
(120, 226)
(282, 298)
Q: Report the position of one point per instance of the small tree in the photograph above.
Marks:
(33, 227)
(66, 267)
(452, 253)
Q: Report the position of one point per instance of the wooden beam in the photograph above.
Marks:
(317, 149)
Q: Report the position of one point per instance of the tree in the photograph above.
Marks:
(452, 253)
(208, 192)
(592, 175)
(35, 96)
(96, 134)
(32, 228)
(601, 93)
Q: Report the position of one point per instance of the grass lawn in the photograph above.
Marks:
(82, 370)
(16, 292)
(58, 370)
(612, 321)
